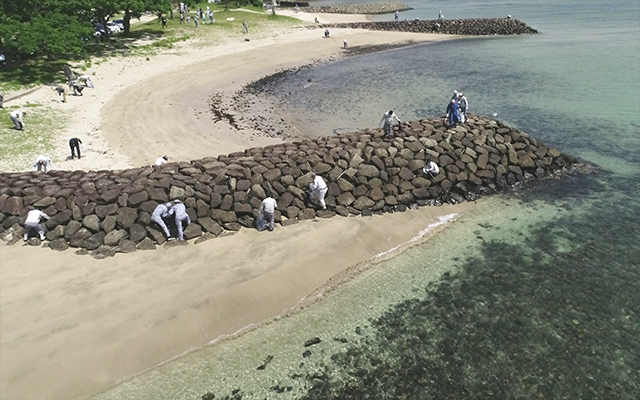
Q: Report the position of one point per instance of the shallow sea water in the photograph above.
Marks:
(534, 294)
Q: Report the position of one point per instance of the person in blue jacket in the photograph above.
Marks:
(453, 113)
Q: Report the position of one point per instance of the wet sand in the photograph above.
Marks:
(71, 326)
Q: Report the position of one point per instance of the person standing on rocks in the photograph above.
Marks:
(74, 144)
(387, 120)
(440, 16)
(318, 189)
(463, 103)
(453, 113)
(42, 163)
(162, 211)
(16, 117)
(267, 210)
(161, 160)
(397, 16)
(33, 222)
(181, 216)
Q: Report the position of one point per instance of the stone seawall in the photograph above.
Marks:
(110, 211)
(369, 8)
(466, 27)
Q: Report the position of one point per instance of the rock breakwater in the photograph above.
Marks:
(110, 211)
(368, 8)
(465, 27)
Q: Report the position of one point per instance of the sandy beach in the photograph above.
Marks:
(72, 326)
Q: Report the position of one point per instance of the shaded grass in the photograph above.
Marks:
(18, 149)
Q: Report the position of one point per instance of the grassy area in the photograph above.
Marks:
(148, 38)
(18, 149)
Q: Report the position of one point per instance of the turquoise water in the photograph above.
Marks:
(535, 294)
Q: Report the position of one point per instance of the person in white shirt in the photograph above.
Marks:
(161, 160)
(16, 117)
(431, 169)
(161, 212)
(463, 103)
(42, 163)
(318, 190)
(267, 209)
(180, 212)
(388, 119)
(33, 222)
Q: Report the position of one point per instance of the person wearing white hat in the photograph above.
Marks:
(16, 117)
(463, 103)
(42, 163)
(318, 190)
(33, 222)
(431, 169)
(181, 216)
(161, 160)
(161, 212)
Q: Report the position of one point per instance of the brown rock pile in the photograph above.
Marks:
(110, 211)
(467, 27)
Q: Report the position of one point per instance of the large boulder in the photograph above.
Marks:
(114, 237)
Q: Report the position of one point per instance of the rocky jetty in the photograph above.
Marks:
(465, 27)
(368, 8)
(105, 212)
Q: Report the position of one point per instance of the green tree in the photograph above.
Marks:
(34, 27)
(135, 9)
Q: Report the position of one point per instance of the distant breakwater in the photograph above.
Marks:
(465, 27)
(369, 8)
(105, 212)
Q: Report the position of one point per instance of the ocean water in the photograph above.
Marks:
(534, 294)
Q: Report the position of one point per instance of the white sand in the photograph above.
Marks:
(71, 325)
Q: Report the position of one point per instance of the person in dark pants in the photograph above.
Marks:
(74, 144)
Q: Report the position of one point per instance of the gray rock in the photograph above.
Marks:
(58, 244)
(210, 225)
(137, 232)
(45, 202)
(126, 217)
(103, 252)
(192, 231)
(94, 241)
(56, 233)
(146, 244)
(126, 246)
(109, 223)
(363, 202)
(114, 237)
(91, 222)
(79, 237)
(177, 193)
(34, 241)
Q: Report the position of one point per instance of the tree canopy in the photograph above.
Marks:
(63, 27)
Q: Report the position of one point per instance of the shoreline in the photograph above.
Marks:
(72, 326)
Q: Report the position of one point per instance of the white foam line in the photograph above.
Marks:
(441, 221)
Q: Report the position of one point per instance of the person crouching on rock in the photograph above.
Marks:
(181, 216)
(33, 222)
(431, 170)
(267, 210)
(161, 212)
(318, 189)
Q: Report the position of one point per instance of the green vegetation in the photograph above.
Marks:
(38, 39)
(18, 149)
